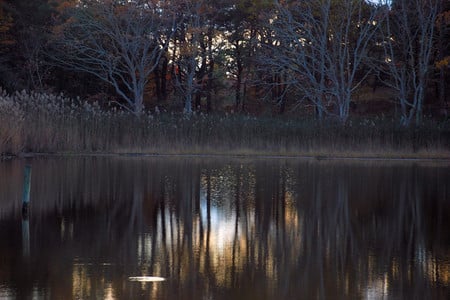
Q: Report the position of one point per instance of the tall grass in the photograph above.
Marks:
(33, 122)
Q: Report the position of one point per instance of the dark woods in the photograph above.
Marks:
(235, 56)
(112, 68)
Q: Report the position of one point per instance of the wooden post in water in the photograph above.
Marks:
(25, 235)
(26, 190)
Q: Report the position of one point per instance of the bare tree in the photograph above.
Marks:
(322, 45)
(407, 40)
(189, 38)
(119, 42)
(193, 51)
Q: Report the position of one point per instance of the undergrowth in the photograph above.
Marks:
(36, 122)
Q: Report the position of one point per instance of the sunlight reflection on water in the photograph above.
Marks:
(224, 230)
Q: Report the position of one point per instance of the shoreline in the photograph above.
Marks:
(356, 156)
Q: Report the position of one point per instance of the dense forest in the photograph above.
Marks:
(324, 59)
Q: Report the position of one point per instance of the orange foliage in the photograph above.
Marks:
(63, 5)
(6, 22)
(443, 63)
(443, 19)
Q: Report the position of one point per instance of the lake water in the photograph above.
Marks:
(104, 227)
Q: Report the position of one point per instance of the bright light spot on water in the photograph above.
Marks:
(146, 278)
(109, 292)
(6, 292)
(378, 289)
(223, 223)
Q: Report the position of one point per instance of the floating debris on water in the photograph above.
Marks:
(146, 278)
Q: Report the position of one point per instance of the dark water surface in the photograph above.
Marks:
(225, 229)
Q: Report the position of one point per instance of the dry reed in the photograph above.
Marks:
(36, 122)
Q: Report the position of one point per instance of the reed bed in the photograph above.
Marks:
(46, 123)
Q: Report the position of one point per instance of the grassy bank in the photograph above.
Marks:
(51, 123)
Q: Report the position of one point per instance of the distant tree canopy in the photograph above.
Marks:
(119, 43)
(241, 56)
(30, 22)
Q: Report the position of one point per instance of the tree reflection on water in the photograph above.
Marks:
(235, 229)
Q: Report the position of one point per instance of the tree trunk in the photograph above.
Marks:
(139, 104)
(238, 77)
(157, 80)
(238, 85)
(209, 86)
(164, 78)
(188, 104)
(210, 74)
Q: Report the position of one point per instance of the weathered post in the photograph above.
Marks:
(26, 190)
